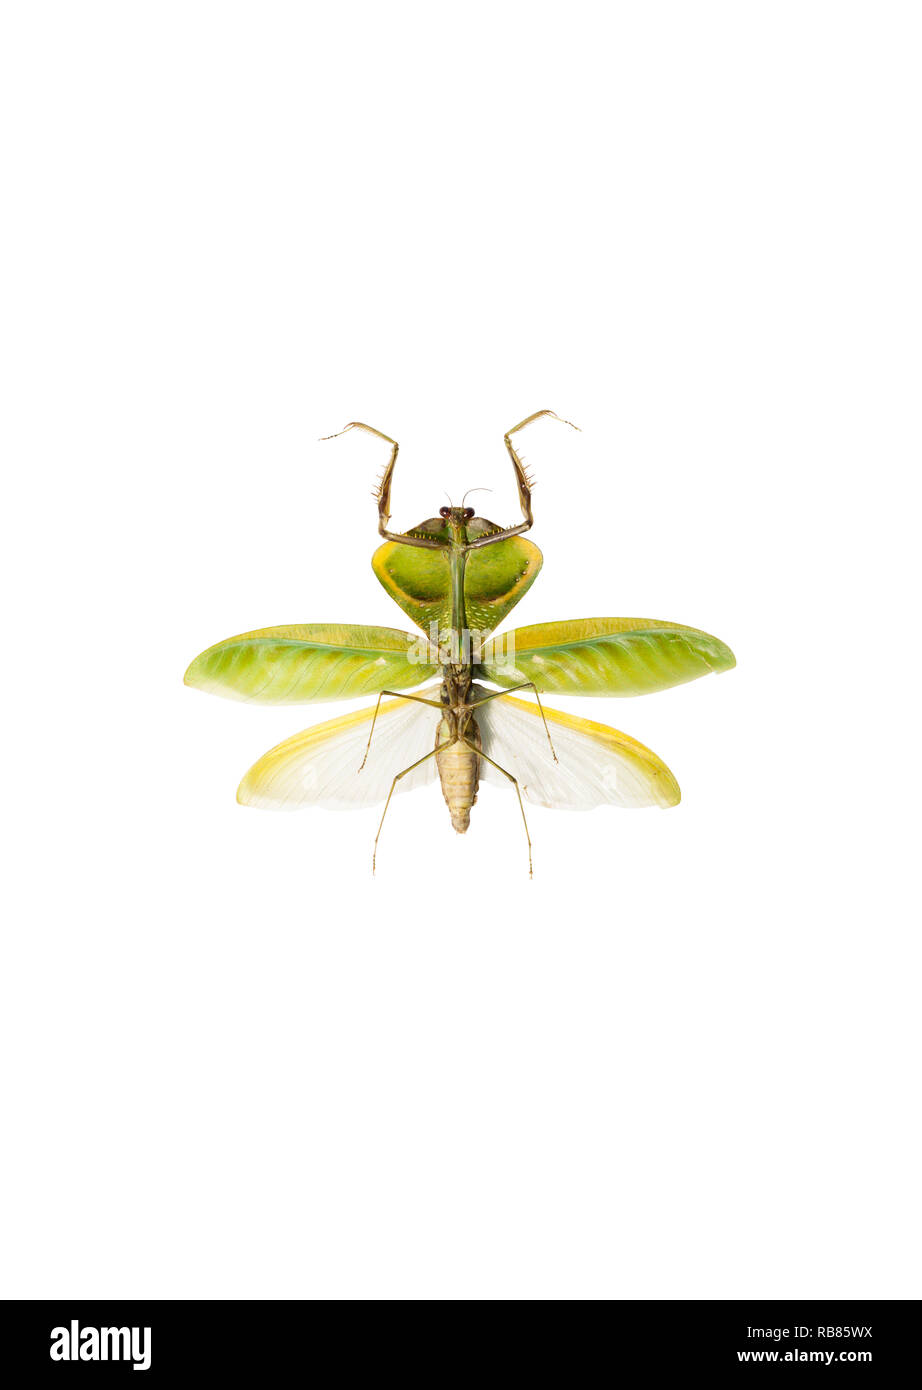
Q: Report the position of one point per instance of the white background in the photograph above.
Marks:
(683, 1062)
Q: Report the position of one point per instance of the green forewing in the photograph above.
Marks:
(322, 661)
(495, 577)
(604, 656)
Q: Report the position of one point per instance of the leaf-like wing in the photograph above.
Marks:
(315, 661)
(597, 766)
(603, 656)
(320, 767)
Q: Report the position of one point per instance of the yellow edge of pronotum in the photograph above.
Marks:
(661, 778)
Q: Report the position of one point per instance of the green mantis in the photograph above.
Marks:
(457, 576)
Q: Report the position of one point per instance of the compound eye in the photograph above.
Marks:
(444, 511)
(468, 513)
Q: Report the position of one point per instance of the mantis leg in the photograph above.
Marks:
(397, 695)
(382, 492)
(514, 781)
(525, 685)
(523, 482)
(419, 761)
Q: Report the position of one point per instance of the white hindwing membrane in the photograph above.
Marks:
(320, 767)
(597, 766)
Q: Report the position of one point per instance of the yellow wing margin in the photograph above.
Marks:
(596, 766)
(320, 766)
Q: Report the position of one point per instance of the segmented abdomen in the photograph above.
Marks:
(459, 770)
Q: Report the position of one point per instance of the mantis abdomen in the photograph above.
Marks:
(459, 771)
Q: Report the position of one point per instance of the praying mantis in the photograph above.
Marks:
(457, 576)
